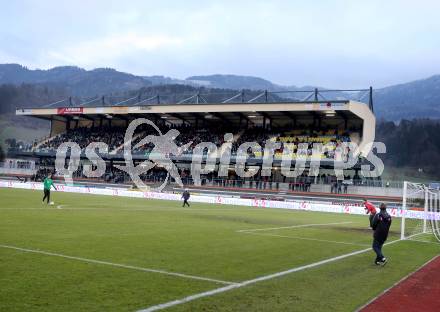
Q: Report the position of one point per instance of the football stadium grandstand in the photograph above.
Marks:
(329, 117)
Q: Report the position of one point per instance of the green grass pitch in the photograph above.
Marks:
(100, 253)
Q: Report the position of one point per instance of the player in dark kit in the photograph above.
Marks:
(381, 225)
(185, 195)
(46, 188)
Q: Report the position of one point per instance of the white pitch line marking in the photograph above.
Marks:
(61, 206)
(422, 241)
(293, 226)
(118, 265)
(307, 238)
(255, 280)
(105, 208)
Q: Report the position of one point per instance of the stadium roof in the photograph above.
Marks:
(225, 105)
(192, 113)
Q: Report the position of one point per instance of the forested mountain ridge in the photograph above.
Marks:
(416, 99)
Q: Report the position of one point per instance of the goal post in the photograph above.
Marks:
(420, 213)
(426, 205)
(404, 207)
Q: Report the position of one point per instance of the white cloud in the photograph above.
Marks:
(330, 43)
(111, 48)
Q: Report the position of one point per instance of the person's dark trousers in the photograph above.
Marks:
(185, 202)
(371, 219)
(377, 247)
(46, 195)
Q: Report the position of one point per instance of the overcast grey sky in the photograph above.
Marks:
(325, 43)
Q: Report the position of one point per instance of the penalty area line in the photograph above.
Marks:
(307, 238)
(293, 226)
(255, 280)
(124, 266)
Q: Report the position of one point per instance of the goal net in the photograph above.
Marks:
(420, 213)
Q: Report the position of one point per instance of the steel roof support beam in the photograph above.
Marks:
(232, 98)
(258, 96)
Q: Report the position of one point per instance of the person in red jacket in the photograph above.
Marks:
(370, 209)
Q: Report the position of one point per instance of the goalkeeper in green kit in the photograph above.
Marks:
(46, 186)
